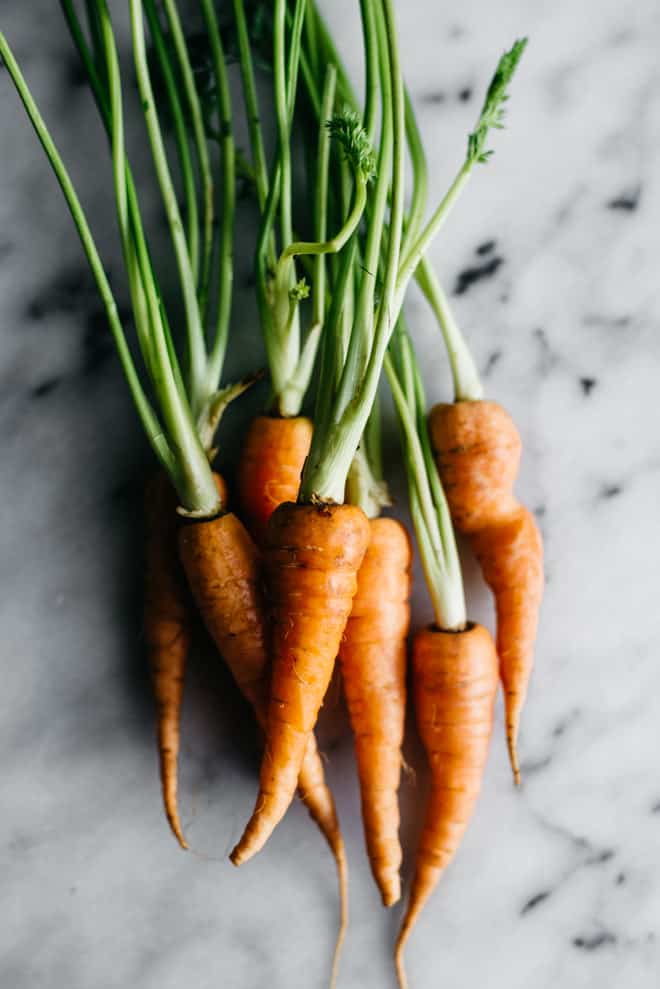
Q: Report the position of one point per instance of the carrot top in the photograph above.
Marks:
(280, 290)
(179, 401)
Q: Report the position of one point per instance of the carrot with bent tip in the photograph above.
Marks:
(167, 621)
(372, 659)
(477, 449)
(454, 667)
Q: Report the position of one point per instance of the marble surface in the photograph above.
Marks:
(553, 258)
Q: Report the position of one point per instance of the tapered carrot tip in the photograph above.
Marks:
(168, 773)
(513, 756)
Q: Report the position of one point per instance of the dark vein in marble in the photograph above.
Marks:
(45, 387)
(606, 322)
(476, 273)
(608, 491)
(626, 201)
(493, 359)
(534, 901)
(587, 385)
(487, 247)
(594, 941)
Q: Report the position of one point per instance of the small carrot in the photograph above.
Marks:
(455, 683)
(167, 620)
(269, 470)
(312, 556)
(477, 448)
(455, 673)
(167, 630)
(373, 665)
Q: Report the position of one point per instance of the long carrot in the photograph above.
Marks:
(373, 665)
(312, 556)
(477, 449)
(455, 683)
(167, 630)
(455, 673)
(223, 568)
(270, 466)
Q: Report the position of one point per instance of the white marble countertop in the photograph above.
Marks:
(557, 884)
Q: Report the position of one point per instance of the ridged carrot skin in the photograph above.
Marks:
(455, 679)
(373, 665)
(269, 469)
(167, 622)
(224, 572)
(477, 449)
(312, 556)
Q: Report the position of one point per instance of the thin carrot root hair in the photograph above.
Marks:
(373, 664)
(312, 556)
(477, 449)
(455, 676)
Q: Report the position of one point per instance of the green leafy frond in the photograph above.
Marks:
(492, 113)
(346, 128)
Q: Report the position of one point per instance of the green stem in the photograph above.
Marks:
(180, 135)
(228, 154)
(431, 519)
(419, 179)
(325, 472)
(251, 105)
(422, 242)
(467, 384)
(321, 192)
(201, 148)
(281, 99)
(195, 333)
(335, 243)
(148, 418)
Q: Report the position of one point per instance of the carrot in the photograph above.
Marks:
(167, 629)
(477, 449)
(269, 470)
(224, 573)
(312, 556)
(455, 682)
(373, 665)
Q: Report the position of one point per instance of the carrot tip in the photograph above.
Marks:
(391, 895)
(236, 858)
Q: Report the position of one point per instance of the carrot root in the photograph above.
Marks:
(373, 664)
(312, 556)
(167, 631)
(477, 449)
(455, 677)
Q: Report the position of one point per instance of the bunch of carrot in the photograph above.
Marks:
(307, 571)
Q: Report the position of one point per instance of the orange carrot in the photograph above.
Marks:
(269, 470)
(167, 629)
(477, 449)
(455, 682)
(373, 665)
(224, 573)
(312, 555)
